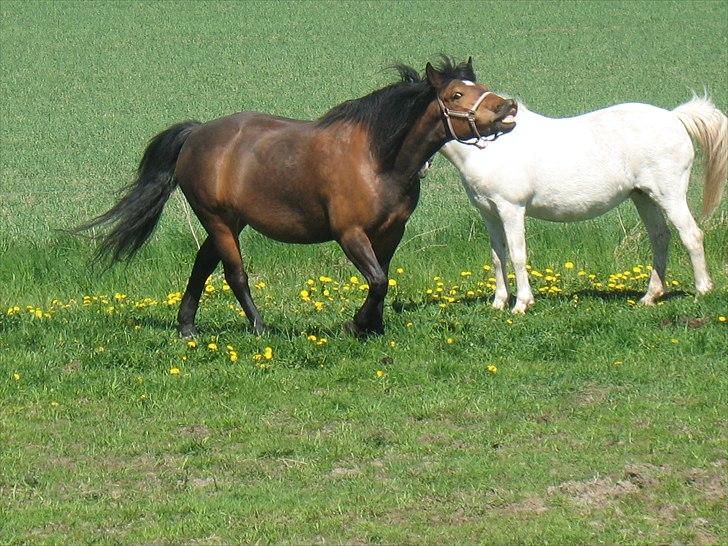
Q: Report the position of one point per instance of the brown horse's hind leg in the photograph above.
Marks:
(228, 247)
(358, 248)
(205, 262)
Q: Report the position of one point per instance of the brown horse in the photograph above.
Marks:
(350, 176)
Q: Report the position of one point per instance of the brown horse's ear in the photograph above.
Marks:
(433, 76)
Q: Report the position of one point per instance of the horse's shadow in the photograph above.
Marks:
(400, 306)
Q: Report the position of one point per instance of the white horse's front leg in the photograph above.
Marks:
(499, 255)
(513, 218)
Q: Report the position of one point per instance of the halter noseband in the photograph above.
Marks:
(468, 114)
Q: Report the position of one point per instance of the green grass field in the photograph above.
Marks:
(589, 420)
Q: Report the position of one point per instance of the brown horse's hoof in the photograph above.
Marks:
(187, 331)
(260, 328)
(357, 331)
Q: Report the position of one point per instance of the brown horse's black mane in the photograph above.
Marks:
(390, 112)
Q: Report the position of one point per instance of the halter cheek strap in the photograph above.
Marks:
(468, 114)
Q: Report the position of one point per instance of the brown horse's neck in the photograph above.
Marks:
(424, 139)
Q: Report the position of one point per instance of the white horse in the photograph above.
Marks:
(577, 168)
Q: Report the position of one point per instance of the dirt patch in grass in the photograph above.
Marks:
(528, 506)
(594, 493)
(196, 431)
(710, 481)
(592, 394)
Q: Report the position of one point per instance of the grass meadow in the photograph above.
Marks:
(589, 420)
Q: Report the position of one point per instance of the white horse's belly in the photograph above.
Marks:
(567, 202)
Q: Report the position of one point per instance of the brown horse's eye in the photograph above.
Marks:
(456, 96)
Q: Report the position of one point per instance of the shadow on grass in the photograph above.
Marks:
(400, 306)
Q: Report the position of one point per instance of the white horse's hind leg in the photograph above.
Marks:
(659, 235)
(514, 218)
(692, 237)
(499, 255)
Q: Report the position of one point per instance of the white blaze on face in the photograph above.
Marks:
(468, 82)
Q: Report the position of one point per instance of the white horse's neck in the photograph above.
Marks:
(457, 153)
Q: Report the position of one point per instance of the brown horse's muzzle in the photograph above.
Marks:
(489, 116)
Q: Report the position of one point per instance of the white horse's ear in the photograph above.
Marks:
(433, 76)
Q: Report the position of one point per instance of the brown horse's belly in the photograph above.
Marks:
(289, 228)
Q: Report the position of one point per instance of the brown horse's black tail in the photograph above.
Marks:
(133, 219)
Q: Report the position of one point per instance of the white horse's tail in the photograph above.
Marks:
(709, 126)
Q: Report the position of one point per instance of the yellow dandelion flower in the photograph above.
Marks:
(354, 279)
(400, 270)
(310, 282)
(212, 346)
(324, 279)
(392, 343)
(674, 341)
(392, 282)
(466, 273)
(486, 267)
(722, 319)
(192, 344)
(581, 273)
(380, 373)
(318, 305)
(618, 363)
(209, 289)
(54, 404)
(410, 324)
(509, 321)
(322, 341)
(569, 265)
(268, 353)
(174, 371)
(492, 368)
(233, 356)
(261, 284)
(312, 338)
(17, 376)
(449, 341)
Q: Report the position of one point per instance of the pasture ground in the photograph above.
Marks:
(590, 420)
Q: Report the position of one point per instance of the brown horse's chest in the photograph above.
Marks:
(396, 208)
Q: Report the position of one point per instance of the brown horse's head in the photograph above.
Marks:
(469, 109)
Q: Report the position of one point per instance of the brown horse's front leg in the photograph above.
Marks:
(357, 247)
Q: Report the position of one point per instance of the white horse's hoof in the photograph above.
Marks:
(704, 288)
(499, 304)
(522, 306)
(647, 300)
